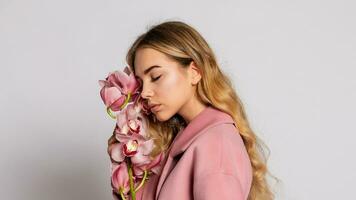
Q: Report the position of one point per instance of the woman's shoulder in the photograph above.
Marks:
(221, 163)
(221, 135)
(220, 149)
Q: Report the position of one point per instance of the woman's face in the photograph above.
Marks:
(164, 82)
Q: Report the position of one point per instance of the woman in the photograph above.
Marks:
(197, 119)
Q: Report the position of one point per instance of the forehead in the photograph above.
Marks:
(146, 58)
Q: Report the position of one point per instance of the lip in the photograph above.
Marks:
(156, 107)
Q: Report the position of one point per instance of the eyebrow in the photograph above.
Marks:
(149, 69)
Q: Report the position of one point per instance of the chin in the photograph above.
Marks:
(161, 116)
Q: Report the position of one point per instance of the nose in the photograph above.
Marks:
(146, 93)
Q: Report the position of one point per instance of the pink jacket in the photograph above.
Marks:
(207, 160)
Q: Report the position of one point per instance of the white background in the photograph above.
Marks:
(292, 63)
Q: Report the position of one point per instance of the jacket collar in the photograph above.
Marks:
(207, 118)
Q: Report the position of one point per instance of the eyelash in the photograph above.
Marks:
(155, 79)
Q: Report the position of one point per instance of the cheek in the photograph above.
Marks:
(171, 89)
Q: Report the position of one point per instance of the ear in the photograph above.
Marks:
(195, 73)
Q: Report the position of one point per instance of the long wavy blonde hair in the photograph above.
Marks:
(184, 44)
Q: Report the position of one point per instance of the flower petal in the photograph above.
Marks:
(146, 147)
(140, 159)
(116, 152)
(156, 165)
(109, 95)
(121, 120)
(116, 105)
(120, 177)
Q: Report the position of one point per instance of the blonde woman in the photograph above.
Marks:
(197, 119)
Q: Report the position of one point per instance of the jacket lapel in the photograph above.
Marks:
(207, 118)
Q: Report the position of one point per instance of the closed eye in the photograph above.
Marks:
(155, 79)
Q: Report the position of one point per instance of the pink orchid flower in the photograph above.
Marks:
(133, 111)
(119, 151)
(119, 88)
(112, 98)
(138, 149)
(120, 178)
(154, 166)
(130, 123)
(130, 148)
(143, 105)
(125, 80)
(124, 138)
(143, 153)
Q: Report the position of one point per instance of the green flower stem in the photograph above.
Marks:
(132, 186)
(126, 101)
(142, 182)
(122, 194)
(108, 110)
